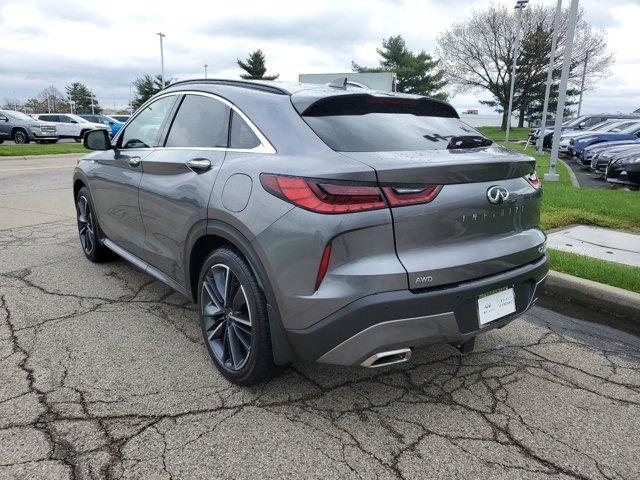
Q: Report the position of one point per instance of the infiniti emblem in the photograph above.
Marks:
(497, 194)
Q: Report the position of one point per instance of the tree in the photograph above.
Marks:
(53, 100)
(33, 105)
(477, 55)
(419, 74)
(12, 104)
(81, 96)
(146, 87)
(255, 67)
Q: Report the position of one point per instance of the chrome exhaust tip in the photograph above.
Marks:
(391, 357)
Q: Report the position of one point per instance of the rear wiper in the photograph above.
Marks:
(468, 141)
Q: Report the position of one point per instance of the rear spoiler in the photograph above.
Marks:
(347, 103)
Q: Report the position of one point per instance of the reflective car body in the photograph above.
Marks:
(374, 222)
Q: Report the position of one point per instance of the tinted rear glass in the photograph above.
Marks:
(362, 123)
(200, 122)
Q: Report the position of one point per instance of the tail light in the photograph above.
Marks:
(341, 197)
(533, 180)
(323, 197)
(400, 196)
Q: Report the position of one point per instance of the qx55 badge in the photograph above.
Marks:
(497, 194)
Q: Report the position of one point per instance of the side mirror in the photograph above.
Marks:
(74, 121)
(582, 125)
(97, 140)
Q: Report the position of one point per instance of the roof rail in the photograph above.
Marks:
(234, 83)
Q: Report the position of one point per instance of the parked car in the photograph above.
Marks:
(70, 125)
(607, 126)
(625, 171)
(600, 161)
(113, 124)
(21, 128)
(578, 144)
(121, 118)
(589, 152)
(308, 222)
(583, 122)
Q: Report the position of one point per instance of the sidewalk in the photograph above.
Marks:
(601, 243)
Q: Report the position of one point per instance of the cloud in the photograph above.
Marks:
(55, 42)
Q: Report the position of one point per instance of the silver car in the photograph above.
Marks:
(21, 128)
(337, 225)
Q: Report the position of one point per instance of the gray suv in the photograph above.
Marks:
(337, 225)
(21, 128)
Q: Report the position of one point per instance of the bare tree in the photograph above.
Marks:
(477, 54)
(54, 100)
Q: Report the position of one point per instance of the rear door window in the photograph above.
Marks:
(365, 123)
(200, 122)
(241, 134)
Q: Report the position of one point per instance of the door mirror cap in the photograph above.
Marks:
(97, 140)
(582, 125)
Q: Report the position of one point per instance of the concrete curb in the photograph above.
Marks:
(40, 157)
(593, 295)
(572, 175)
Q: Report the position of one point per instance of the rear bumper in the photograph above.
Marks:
(408, 319)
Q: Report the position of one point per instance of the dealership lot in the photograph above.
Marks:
(104, 375)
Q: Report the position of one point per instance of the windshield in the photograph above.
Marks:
(18, 116)
(631, 128)
(603, 125)
(574, 122)
(111, 119)
(77, 118)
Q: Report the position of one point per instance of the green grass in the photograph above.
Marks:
(563, 204)
(600, 271)
(41, 149)
(497, 135)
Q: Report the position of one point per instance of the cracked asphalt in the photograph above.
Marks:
(104, 375)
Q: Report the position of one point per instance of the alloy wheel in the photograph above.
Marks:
(227, 317)
(20, 137)
(85, 225)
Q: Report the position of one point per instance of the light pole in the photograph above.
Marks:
(205, 70)
(552, 58)
(161, 35)
(584, 74)
(92, 105)
(520, 5)
(562, 92)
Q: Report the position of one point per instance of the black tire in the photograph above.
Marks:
(81, 137)
(225, 330)
(89, 230)
(20, 136)
(1, 141)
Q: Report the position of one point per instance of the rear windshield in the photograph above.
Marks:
(364, 123)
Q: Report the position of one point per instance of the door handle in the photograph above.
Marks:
(133, 161)
(199, 165)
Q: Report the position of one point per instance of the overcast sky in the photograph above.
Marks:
(107, 44)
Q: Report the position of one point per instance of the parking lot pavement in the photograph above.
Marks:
(586, 178)
(104, 375)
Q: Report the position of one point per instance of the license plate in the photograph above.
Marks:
(495, 305)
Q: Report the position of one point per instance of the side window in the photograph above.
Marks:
(49, 118)
(241, 135)
(143, 130)
(200, 122)
(64, 119)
